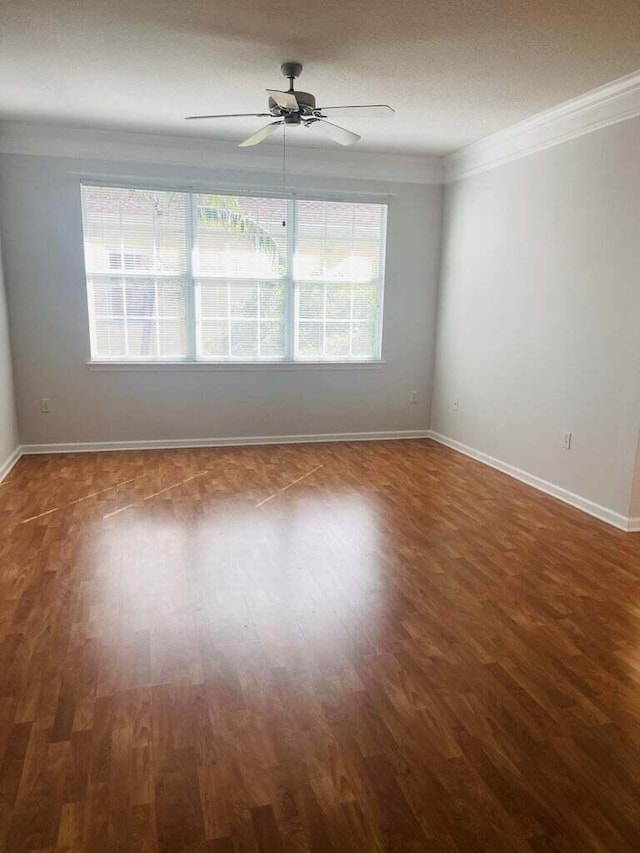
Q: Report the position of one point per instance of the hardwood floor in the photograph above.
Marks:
(345, 647)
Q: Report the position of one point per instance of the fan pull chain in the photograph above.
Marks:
(284, 166)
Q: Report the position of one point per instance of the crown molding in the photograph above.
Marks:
(609, 104)
(48, 140)
(601, 107)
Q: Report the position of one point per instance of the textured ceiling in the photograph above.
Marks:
(454, 70)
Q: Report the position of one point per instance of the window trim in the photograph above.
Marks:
(288, 362)
(124, 182)
(151, 366)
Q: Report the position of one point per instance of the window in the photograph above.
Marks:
(174, 276)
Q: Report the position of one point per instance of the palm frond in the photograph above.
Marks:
(226, 218)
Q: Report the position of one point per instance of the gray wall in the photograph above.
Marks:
(8, 425)
(539, 314)
(634, 511)
(40, 208)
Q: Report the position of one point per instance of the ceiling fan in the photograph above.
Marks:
(299, 108)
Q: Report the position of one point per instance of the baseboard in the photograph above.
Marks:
(622, 522)
(617, 520)
(10, 462)
(234, 441)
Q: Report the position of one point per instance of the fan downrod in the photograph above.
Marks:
(291, 70)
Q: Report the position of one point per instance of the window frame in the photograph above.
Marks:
(192, 320)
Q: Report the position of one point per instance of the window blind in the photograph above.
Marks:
(337, 271)
(203, 276)
(240, 266)
(136, 257)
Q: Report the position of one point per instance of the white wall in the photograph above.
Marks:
(539, 314)
(8, 424)
(40, 209)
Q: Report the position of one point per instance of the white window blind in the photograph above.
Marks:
(136, 256)
(240, 266)
(208, 277)
(338, 276)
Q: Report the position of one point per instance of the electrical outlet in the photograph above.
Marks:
(45, 405)
(413, 397)
(566, 440)
(456, 404)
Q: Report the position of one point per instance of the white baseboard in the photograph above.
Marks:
(622, 522)
(8, 464)
(617, 520)
(234, 441)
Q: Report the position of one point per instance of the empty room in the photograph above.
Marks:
(319, 426)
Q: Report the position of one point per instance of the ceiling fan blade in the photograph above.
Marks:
(232, 115)
(255, 138)
(338, 134)
(362, 110)
(286, 100)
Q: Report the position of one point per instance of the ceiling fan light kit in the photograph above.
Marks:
(295, 108)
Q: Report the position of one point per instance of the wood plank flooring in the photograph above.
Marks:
(344, 647)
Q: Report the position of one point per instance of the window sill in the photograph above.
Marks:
(209, 366)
